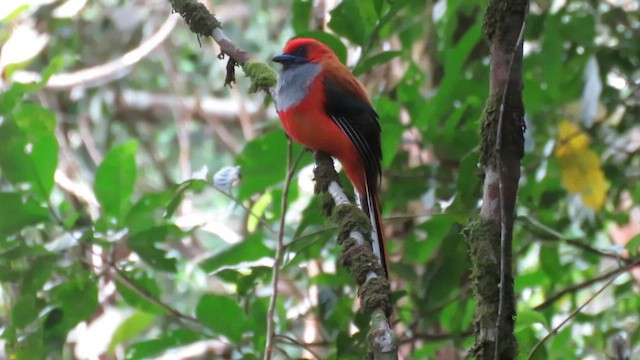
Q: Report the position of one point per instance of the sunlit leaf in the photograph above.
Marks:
(152, 348)
(115, 180)
(150, 245)
(375, 60)
(29, 151)
(249, 249)
(17, 212)
(263, 161)
(354, 20)
(301, 15)
(527, 317)
(223, 315)
(131, 328)
(139, 290)
(195, 185)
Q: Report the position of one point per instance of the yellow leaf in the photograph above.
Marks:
(580, 166)
(571, 139)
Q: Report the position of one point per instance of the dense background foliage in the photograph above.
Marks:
(114, 243)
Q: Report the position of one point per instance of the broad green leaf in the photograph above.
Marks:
(18, 212)
(354, 19)
(115, 180)
(550, 262)
(375, 60)
(223, 315)
(148, 211)
(330, 40)
(258, 210)
(247, 283)
(137, 290)
(131, 328)
(554, 52)
(149, 245)
(301, 15)
(633, 245)
(195, 185)
(437, 229)
(71, 302)
(527, 317)
(389, 113)
(263, 161)
(24, 311)
(250, 248)
(258, 310)
(439, 106)
(152, 348)
(29, 151)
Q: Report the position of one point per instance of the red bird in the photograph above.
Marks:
(325, 108)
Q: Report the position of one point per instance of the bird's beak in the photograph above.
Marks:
(287, 59)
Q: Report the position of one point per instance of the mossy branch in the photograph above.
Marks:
(202, 23)
(357, 256)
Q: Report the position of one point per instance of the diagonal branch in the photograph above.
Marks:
(202, 23)
(357, 256)
(110, 71)
(585, 284)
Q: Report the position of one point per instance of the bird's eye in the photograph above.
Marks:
(300, 51)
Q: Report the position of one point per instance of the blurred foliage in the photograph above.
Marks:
(114, 243)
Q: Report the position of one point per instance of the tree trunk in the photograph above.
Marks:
(502, 148)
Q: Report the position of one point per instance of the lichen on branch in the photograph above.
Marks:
(202, 23)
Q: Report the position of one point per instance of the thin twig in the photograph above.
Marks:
(291, 166)
(575, 288)
(239, 203)
(506, 220)
(571, 316)
(307, 347)
(152, 299)
(531, 223)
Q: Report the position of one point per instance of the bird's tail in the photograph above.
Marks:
(371, 206)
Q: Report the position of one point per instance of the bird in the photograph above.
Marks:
(324, 107)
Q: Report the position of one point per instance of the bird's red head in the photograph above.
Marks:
(303, 50)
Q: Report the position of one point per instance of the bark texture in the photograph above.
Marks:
(502, 149)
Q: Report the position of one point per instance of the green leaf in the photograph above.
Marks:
(554, 52)
(29, 151)
(148, 211)
(251, 248)
(375, 60)
(527, 317)
(148, 245)
(115, 180)
(71, 303)
(223, 315)
(454, 59)
(633, 245)
(354, 19)
(389, 113)
(24, 311)
(137, 289)
(330, 40)
(437, 229)
(153, 348)
(301, 15)
(196, 185)
(263, 163)
(18, 212)
(132, 327)
(550, 262)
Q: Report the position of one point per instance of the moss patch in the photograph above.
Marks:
(261, 75)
